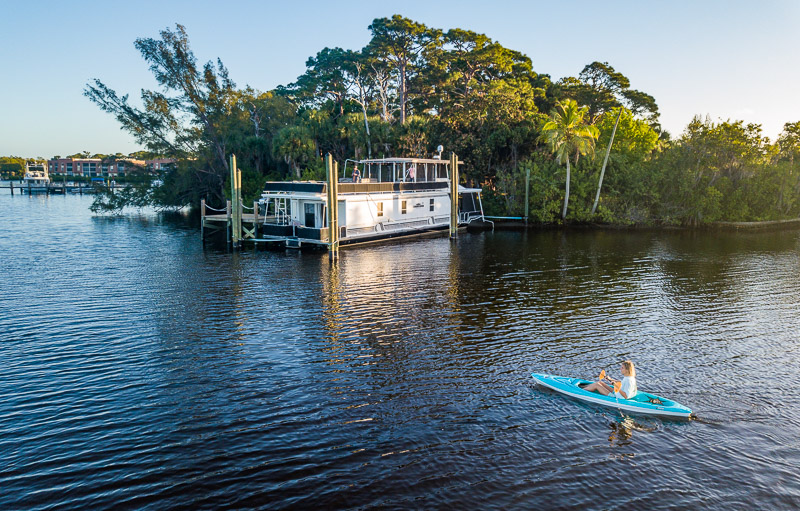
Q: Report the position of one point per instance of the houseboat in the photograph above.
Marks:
(377, 198)
(37, 179)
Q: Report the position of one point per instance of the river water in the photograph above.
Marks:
(140, 369)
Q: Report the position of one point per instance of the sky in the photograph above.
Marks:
(730, 59)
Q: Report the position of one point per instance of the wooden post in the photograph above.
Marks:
(333, 206)
(11, 184)
(453, 195)
(336, 205)
(255, 219)
(527, 187)
(329, 209)
(236, 212)
(228, 223)
(232, 213)
(202, 219)
(239, 204)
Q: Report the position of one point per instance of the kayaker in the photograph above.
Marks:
(628, 387)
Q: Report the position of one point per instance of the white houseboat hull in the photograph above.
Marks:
(368, 210)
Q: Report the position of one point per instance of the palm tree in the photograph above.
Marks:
(566, 133)
(295, 145)
(605, 162)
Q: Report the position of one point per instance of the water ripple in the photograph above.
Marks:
(141, 370)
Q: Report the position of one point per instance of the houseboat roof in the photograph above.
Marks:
(405, 160)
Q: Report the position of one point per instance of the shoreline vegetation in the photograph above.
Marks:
(414, 87)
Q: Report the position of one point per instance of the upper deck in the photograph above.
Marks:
(399, 170)
(347, 187)
(384, 175)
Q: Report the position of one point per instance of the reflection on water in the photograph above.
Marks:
(623, 428)
(141, 369)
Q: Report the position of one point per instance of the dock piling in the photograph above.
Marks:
(332, 169)
(255, 219)
(236, 202)
(527, 187)
(228, 224)
(453, 196)
(203, 219)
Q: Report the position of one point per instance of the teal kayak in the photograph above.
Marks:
(641, 403)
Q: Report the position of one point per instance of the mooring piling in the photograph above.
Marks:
(332, 216)
(453, 196)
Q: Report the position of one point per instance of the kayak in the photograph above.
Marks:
(641, 403)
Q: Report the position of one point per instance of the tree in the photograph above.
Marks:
(12, 166)
(402, 42)
(788, 148)
(324, 79)
(601, 88)
(789, 141)
(360, 86)
(295, 145)
(467, 66)
(184, 119)
(605, 162)
(567, 133)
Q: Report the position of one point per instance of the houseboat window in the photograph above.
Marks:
(432, 204)
(403, 207)
(380, 208)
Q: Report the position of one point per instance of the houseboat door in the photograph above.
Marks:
(310, 216)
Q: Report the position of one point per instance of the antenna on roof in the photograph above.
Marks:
(439, 150)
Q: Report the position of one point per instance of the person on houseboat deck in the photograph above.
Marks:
(627, 389)
(356, 174)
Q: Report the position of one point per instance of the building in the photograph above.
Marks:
(111, 168)
(160, 164)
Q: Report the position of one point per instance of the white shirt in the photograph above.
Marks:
(628, 387)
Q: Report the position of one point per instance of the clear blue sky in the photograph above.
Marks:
(725, 59)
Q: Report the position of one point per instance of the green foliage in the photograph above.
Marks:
(404, 44)
(187, 118)
(507, 198)
(295, 145)
(113, 201)
(724, 171)
(567, 134)
(414, 87)
(12, 167)
(601, 88)
(635, 137)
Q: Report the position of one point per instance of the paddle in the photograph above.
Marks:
(617, 384)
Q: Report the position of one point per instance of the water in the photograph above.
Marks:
(140, 370)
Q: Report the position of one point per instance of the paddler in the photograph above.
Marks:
(627, 387)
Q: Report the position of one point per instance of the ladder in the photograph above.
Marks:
(282, 210)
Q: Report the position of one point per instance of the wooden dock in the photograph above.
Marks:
(54, 188)
(214, 220)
